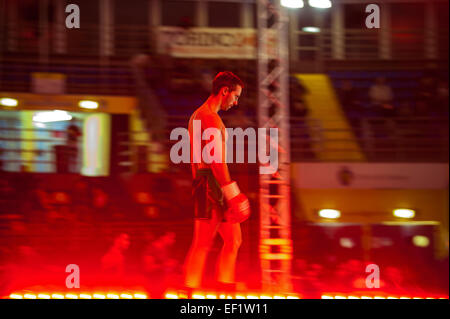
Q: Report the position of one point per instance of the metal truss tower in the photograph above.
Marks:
(275, 244)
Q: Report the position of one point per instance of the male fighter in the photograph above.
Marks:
(219, 204)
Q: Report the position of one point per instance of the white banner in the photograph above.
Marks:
(370, 175)
(230, 43)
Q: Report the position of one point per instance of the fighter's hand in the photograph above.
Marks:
(239, 206)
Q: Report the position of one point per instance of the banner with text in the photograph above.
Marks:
(370, 175)
(230, 43)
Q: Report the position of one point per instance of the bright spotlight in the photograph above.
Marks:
(51, 116)
(404, 213)
(39, 125)
(311, 29)
(6, 101)
(329, 213)
(321, 4)
(292, 4)
(346, 242)
(86, 104)
(421, 241)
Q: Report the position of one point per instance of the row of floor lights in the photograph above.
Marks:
(98, 295)
(202, 295)
(331, 296)
(195, 295)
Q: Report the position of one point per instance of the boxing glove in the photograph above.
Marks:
(238, 205)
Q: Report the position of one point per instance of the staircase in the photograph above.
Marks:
(333, 137)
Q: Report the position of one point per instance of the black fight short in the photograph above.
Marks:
(207, 195)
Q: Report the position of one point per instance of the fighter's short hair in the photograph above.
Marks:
(225, 78)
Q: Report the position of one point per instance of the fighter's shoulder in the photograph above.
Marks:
(207, 117)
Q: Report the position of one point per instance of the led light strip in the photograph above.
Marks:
(212, 295)
(84, 295)
(341, 296)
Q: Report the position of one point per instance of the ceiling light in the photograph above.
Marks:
(311, 29)
(329, 213)
(404, 213)
(86, 104)
(292, 4)
(6, 101)
(52, 116)
(321, 4)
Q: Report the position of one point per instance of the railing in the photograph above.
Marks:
(127, 40)
(80, 79)
(418, 139)
(415, 139)
(404, 139)
(96, 64)
(366, 44)
(356, 44)
(82, 42)
(91, 41)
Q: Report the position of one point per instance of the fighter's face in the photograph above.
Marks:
(231, 98)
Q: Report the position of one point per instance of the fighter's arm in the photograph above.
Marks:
(219, 168)
(239, 206)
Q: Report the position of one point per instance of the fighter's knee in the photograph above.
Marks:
(233, 243)
(202, 244)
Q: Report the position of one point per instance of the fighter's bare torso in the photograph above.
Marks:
(208, 119)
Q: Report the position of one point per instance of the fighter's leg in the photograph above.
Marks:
(204, 233)
(226, 264)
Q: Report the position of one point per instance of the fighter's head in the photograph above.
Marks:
(229, 87)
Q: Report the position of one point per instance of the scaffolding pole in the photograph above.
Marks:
(275, 246)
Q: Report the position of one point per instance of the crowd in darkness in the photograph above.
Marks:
(430, 98)
(72, 198)
(78, 221)
(349, 276)
(47, 219)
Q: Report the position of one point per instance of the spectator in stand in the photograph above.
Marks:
(405, 109)
(425, 96)
(381, 98)
(298, 107)
(42, 205)
(159, 265)
(395, 279)
(113, 262)
(73, 132)
(441, 100)
(1, 160)
(26, 183)
(157, 255)
(82, 201)
(346, 273)
(164, 62)
(314, 278)
(186, 22)
(100, 204)
(349, 99)
(443, 269)
(155, 117)
(206, 78)
(7, 197)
